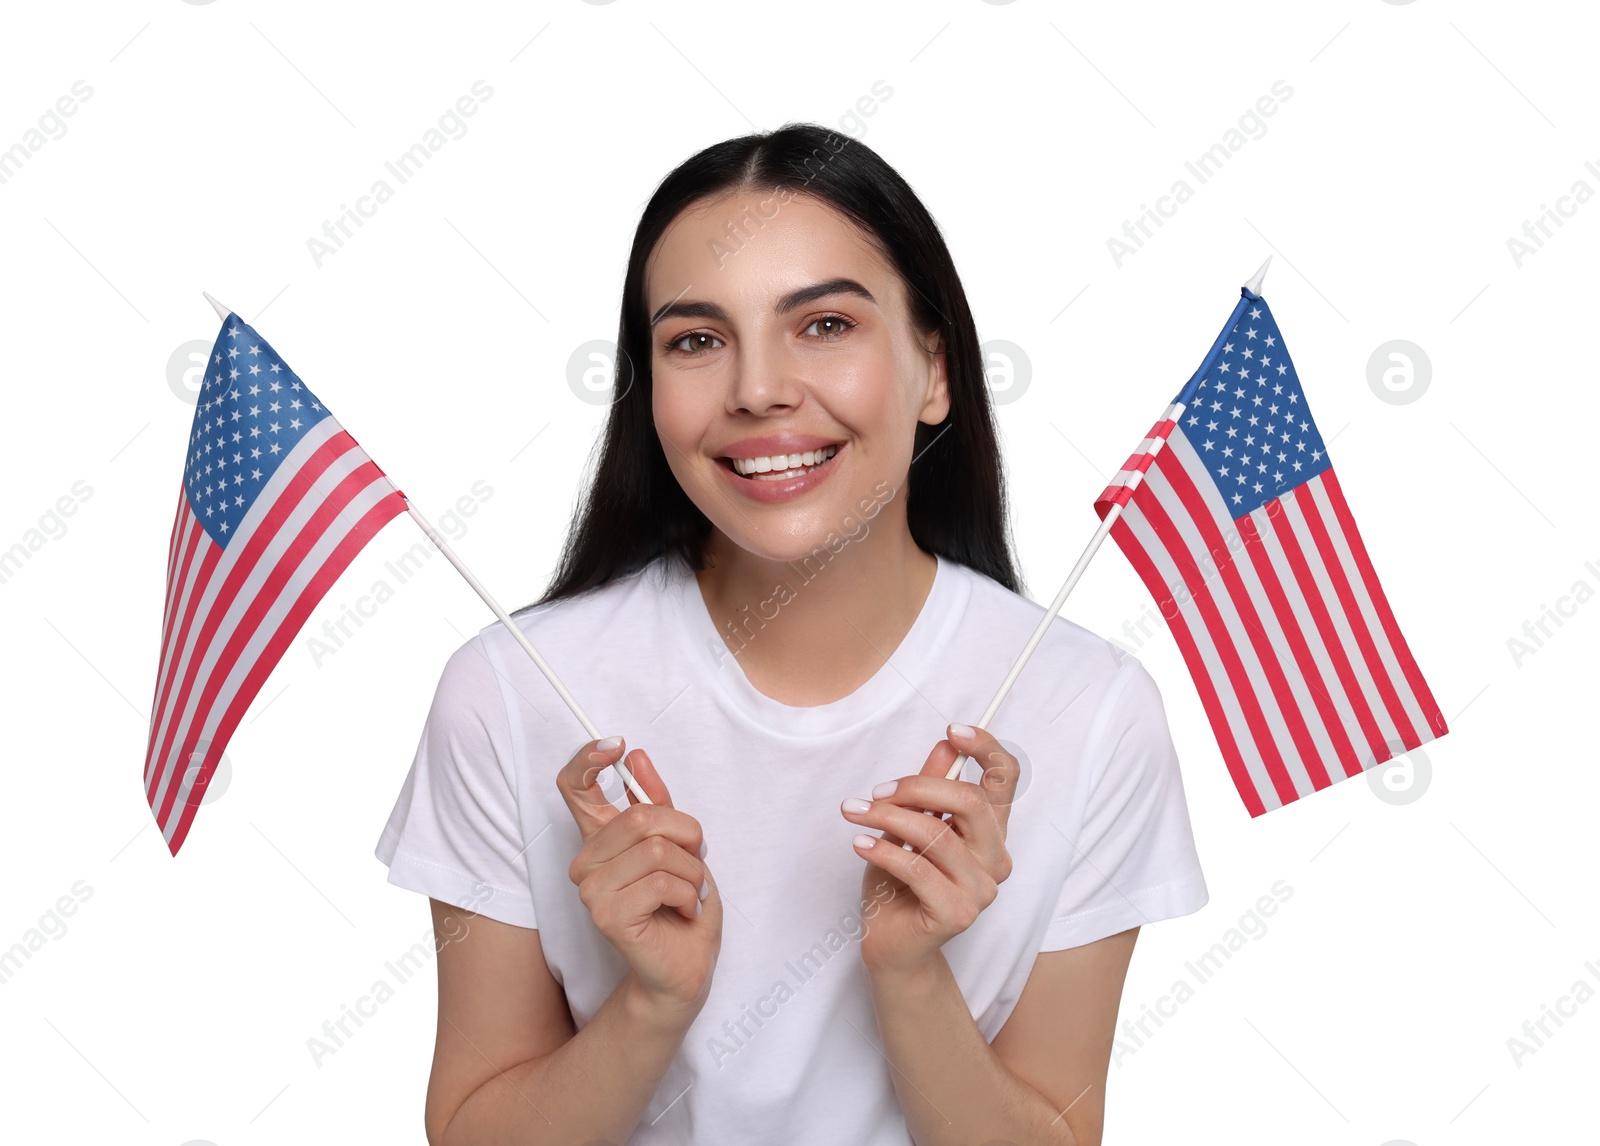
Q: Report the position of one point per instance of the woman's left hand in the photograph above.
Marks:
(913, 902)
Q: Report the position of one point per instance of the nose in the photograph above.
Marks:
(764, 381)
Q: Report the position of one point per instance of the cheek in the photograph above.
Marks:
(681, 420)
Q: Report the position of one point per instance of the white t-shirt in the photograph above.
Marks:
(1099, 833)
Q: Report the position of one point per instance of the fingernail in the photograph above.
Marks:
(885, 790)
(962, 731)
(698, 905)
(863, 841)
(609, 743)
(854, 806)
(705, 888)
(702, 849)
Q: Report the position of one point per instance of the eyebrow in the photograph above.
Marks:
(790, 301)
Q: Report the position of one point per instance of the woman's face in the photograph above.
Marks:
(782, 336)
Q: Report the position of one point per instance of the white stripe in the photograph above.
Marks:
(1347, 640)
(1282, 651)
(1267, 530)
(288, 470)
(293, 588)
(1232, 619)
(1369, 611)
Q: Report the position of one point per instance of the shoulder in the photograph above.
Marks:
(623, 609)
(1069, 659)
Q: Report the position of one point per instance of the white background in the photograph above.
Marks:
(176, 1004)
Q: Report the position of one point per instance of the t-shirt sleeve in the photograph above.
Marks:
(454, 834)
(1134, 861)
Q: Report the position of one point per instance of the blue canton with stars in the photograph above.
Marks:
(1247, 416)
(252, 410)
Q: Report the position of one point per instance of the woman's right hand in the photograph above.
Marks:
(639, 874)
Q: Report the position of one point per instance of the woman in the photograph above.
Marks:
(790, 576)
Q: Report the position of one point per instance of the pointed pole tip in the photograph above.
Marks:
(1254, 285)
(222, 310)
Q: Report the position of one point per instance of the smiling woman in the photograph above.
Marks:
(828, 375)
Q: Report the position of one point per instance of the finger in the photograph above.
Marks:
(1001, 770)
(635, 823)
(653, 854)
(644, 771)
(941, 841)
(640, 899)
(578, 781)
(934, 890)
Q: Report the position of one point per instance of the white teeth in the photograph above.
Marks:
(783, 463)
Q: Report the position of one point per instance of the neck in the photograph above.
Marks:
(813, 630)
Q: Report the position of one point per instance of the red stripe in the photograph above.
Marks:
(189, 608)
(182, 544)
(1118, 492)
(1369, 578)
(1358, 622)
(260, 606)
(192, 532)
(1171, 467)
(1145, 567)
(1262, 560)
(337, 561)
(1221, 637)
(1283, 529)
(172, 542)
(298, 485)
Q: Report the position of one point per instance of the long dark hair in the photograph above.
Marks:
(634, 510)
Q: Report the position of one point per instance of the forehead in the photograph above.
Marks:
(750, 247)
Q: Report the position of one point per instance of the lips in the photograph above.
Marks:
(786, 475)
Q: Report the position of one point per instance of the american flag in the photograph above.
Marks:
(276, 501)
(1233, 518)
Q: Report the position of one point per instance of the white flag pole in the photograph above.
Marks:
(522, 639)
(1254, 287)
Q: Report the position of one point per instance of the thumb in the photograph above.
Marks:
(638, 762)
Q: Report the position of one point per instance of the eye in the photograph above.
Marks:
(840, 323)
(673, 346)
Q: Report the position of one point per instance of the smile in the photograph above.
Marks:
(781, 467)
